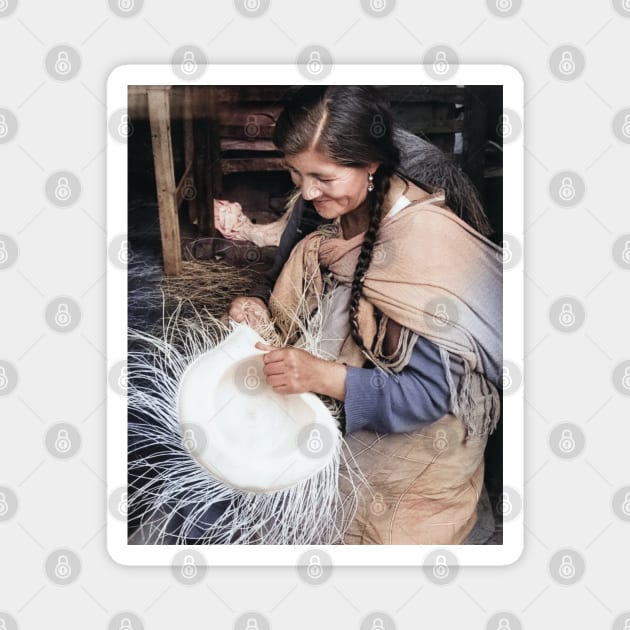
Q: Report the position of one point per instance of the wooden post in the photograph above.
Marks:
(189, 156)
(214, 172)
(201, 162)
(160, 120)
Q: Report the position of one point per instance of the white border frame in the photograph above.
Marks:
(513, 438)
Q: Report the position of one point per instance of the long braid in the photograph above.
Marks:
(376, 199)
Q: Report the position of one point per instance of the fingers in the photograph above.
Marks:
(263, 346)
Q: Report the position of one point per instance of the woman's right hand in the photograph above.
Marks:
(249, 310)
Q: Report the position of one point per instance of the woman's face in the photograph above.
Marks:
(334, 190)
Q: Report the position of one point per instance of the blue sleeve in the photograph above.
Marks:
(403, 402)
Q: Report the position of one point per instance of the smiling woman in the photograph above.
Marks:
(407, 294)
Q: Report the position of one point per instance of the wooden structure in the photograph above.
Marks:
(229, 129)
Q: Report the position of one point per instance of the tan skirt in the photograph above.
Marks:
(422, 488)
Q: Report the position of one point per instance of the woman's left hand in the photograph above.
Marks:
(295, 371)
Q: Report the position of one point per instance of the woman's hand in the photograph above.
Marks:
(295, 371)
(249, 310)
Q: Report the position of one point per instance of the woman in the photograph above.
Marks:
(410, 298)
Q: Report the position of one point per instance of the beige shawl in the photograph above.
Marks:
(434, 276)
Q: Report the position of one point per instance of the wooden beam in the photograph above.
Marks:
(180, 191)
(160, 121)
(189, 158)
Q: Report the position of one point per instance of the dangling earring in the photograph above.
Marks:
(370, 182)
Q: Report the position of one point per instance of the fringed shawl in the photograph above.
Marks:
(432, 274)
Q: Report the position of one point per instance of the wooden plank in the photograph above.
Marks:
(424, 93)
(247, 145)
(160, 121)
(238, 165)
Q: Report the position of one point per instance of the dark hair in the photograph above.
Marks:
(353, 126)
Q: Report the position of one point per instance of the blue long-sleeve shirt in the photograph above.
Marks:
(403, 402)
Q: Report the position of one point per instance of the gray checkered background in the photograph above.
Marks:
(54, 567)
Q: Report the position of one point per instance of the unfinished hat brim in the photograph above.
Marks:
(254, 439)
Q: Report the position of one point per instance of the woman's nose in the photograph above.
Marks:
(310, 190)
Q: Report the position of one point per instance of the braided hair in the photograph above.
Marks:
(352, 126)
